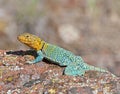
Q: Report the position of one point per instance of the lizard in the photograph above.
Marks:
(74, 65)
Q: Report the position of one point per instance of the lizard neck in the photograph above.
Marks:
(44, 46)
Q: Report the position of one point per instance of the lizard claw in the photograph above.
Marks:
(29, 62)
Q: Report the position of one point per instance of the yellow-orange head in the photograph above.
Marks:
(31, 40)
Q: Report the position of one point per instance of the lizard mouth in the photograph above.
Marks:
(20, 38)
(23, 39)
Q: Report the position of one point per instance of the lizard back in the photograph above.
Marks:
(58, 54)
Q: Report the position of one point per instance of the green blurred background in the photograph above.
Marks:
(89, 28)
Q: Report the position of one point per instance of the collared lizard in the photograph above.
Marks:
(75, 65)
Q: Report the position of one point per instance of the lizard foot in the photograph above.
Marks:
(29, 62)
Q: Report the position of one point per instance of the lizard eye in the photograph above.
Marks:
(27, 36)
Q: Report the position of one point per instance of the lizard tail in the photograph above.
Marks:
(100, 70)
(97, 69)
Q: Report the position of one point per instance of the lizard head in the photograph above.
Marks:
(31, 41)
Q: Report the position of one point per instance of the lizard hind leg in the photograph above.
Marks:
(74, 71)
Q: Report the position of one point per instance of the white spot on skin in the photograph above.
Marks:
(68, 33)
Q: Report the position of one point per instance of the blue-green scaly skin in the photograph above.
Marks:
(74, 64)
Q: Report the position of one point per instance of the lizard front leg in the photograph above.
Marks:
(38, 58)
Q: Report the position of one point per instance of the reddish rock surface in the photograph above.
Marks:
(17, 77)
